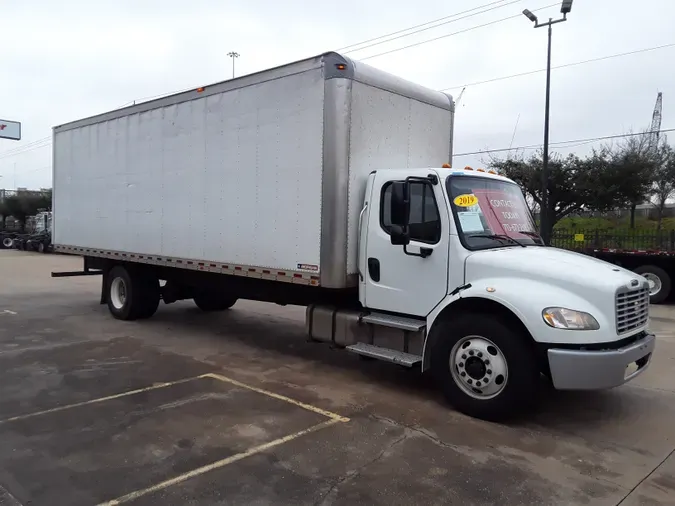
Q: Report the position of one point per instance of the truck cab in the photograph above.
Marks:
(452, 259)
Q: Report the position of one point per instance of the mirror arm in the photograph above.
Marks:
(424, 252)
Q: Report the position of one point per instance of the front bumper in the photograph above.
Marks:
(601, 369)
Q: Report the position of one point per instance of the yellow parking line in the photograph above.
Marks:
(218, 464)
(308, 407)
(100, 399)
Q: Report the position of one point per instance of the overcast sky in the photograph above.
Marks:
(65, 60)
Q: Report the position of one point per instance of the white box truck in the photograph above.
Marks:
(327, 183)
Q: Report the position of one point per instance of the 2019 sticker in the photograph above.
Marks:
(466, 200)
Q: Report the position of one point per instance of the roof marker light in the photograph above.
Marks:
(480, 170)
(446, 166)
(467, 168)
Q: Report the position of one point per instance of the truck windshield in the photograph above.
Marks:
(490, 213)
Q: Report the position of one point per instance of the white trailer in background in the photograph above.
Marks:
(326, 183)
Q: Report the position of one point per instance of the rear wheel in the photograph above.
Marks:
(486, 368)
(659, 282)
(8, 243)
(132, 294)
(213, 302)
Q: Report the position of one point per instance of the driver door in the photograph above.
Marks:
(402, 282)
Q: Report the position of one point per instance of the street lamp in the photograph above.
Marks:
(565, 9)
(233, 55)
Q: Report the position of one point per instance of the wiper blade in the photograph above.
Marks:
(502, 237)
(531, 234)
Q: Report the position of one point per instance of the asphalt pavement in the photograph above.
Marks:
(238, 408)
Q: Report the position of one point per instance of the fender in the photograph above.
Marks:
(523, 300)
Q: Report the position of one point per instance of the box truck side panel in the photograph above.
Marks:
(391, 130)
(229, 177)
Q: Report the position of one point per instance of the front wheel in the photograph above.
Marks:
(486, 368)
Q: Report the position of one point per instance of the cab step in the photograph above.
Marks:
(394, 322)
(385, 354)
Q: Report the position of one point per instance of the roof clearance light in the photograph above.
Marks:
(446, 166)
(467, 168)
(200, 89)
(340, 66)
(480, 170)
(491, 172)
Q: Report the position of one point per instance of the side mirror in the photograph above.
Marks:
(399, 204)
(398, 236)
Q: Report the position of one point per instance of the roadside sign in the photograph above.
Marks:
(579, 237)
(10, 130)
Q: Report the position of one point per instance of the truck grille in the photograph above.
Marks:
(632, 310)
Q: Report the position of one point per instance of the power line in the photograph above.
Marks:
(601, 58)
(454, 33)
(580, 141)
(42, 143)
(350, 46)
(428, 27)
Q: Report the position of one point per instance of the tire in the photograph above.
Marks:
(131, 294)
(8, 243)
(209, 302)
(41, 247)
(659, 282)
(150, 297)
(470, 342)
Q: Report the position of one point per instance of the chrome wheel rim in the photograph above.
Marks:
(654, 281)
(118, 293)
(478, 367)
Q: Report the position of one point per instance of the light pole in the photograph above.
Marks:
(233, 55)
(565, 9)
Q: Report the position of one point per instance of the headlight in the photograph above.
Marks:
(561, 318)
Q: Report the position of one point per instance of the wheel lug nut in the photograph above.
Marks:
(464, 356)
(461, 364)
(477, 383)
(470, 352)
(489, 371)
(462, 374)
(480, 353)
(487, 362)
(469, 381)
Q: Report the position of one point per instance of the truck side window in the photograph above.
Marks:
(424, 218)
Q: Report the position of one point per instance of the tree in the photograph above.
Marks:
(572, 185)
(664, 180)
(634, 162)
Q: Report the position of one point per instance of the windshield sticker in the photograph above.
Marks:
(470, 221)
(466, 200)
(505, 213)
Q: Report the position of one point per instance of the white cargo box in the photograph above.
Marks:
(264, 174)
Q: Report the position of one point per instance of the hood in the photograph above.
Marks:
(566, 269)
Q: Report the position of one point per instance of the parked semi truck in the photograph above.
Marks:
(328, 184)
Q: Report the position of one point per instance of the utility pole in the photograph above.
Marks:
(544, 218)
(234, 55)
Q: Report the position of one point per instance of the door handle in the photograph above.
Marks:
(374, 269)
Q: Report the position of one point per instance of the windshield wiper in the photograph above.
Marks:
(502, 237)
(531, 234)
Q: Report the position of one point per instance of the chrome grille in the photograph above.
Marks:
(632, 309)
